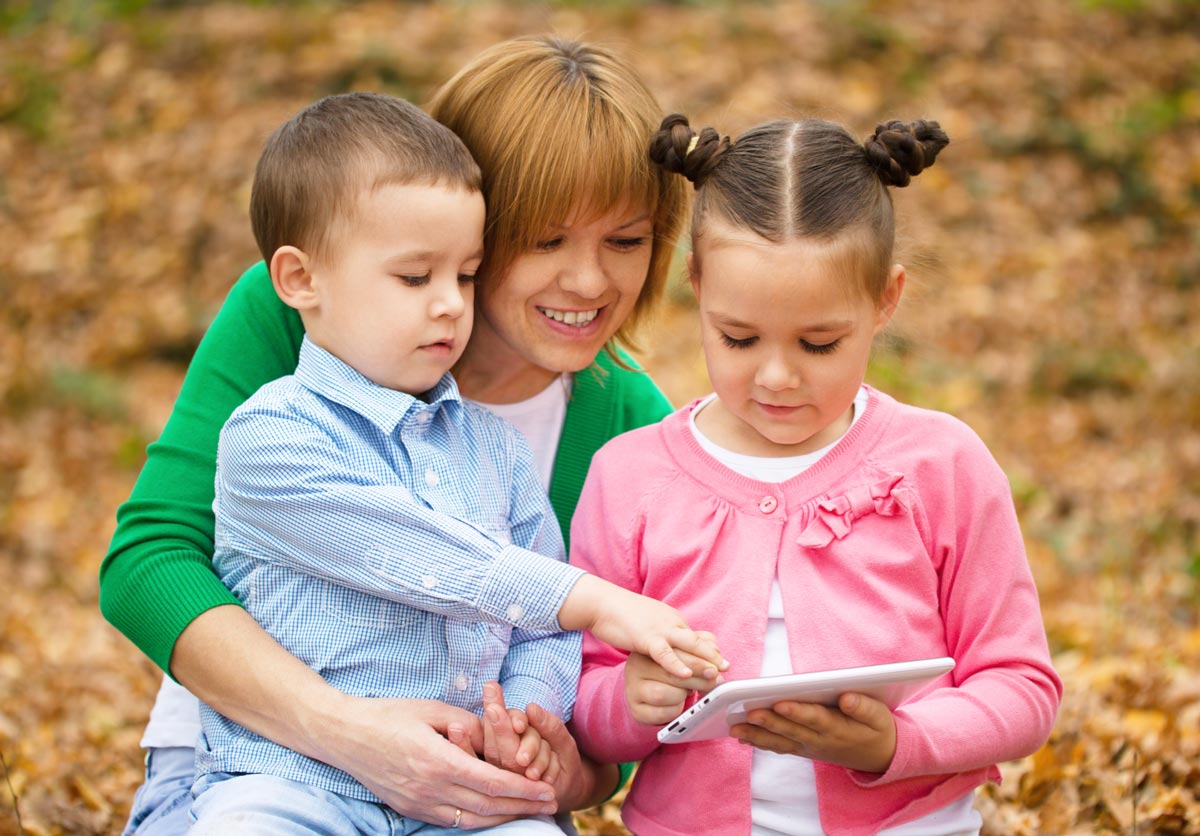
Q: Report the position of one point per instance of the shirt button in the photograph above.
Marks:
(430, 581)
(431, 478)
(461, 682)
(424, 418)
(768, 504)
(515, 612)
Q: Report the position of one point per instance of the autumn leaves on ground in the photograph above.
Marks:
(1055, 306)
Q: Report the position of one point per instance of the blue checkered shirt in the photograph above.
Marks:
(400, 548)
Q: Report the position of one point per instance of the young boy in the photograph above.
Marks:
(385, 531)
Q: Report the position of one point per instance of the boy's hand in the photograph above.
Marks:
(633, 622)
(655, 696)
(511, 743)
(859, 734)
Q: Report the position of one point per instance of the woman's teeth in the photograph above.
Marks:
(576, 318)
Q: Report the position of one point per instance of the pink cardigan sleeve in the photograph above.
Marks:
(604, 541)
(1007, 692)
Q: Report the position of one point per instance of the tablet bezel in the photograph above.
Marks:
(727, 704)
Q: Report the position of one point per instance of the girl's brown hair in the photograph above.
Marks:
(806, 178)
(559, 126)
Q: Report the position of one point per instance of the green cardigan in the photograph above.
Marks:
(157, 575)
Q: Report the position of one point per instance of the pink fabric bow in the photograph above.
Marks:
(835, 515)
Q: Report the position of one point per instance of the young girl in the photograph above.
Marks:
(810, 521)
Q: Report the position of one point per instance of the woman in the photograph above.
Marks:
(581, 232)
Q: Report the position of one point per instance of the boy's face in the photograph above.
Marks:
(395, 289)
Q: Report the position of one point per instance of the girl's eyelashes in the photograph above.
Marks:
(733, 343)
(466, 278)
(811, 348)
(820, 348)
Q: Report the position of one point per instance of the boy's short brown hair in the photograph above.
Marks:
(316, 164)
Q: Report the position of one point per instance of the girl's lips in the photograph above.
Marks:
(777, 411)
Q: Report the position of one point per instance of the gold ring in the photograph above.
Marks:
(457, 817)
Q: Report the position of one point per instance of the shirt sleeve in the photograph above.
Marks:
(157, 575)
(288, 495)
(604, 543)
(1006, 693)
(541, 666)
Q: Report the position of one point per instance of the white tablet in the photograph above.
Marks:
(729, 702)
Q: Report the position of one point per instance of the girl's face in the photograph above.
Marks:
(557, 305)
(787, 332)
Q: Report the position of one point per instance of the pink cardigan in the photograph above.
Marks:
(901, 543)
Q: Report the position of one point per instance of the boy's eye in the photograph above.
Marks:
(819, 348)
(733, 343)
(414, 281)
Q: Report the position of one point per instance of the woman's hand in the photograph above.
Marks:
(655, 696)
(397, 748)
(859, 734)
(402, 751)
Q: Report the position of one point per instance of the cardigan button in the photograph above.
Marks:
(768, 504)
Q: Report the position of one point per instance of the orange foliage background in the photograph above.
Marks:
(1054, 249)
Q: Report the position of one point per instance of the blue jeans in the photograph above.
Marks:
(264, 805)
(160, 806)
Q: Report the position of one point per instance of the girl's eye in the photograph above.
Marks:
(415, 281)
(628, 243)
(466, 278)
(815, 348)
(732, 343)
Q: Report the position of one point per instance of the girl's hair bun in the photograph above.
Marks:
(678, 149)
(901, 150)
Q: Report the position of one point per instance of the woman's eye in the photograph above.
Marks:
(549, 244)
(414, 281)
(818, 348)
(732, 343)
(628, 243)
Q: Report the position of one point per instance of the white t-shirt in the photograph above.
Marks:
(175, 717)
(783, 788)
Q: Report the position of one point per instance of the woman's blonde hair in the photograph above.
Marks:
(559, 126)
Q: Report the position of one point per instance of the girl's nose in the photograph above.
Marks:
(776, 375)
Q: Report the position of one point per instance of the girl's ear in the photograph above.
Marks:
(693, 274)
(292, 278)
(890, 299)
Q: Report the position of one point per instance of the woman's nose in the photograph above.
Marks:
(584, 276)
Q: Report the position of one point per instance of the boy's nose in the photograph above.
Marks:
(449, 303)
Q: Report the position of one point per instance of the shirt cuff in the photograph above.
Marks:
(526, 589)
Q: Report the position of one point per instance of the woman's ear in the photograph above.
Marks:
(292, 278)
(889, 300)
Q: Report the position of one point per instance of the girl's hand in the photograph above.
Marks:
(859, 734)
(633, 622)
(655, 696)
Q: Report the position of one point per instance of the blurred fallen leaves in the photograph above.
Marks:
(1054, 256)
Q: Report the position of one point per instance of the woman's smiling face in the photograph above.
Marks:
(557, 305)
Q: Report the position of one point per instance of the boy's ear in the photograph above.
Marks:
(890, 299)
(292, 278)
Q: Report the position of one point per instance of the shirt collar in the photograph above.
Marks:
(329, 377)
